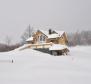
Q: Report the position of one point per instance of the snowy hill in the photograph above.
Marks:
(34, 67)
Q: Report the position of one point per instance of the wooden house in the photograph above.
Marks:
(45, 39)
(56, 37)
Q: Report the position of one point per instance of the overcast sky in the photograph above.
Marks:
(67, 15)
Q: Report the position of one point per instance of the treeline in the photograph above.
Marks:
(79, 38)
(5, 47)
(76, 38)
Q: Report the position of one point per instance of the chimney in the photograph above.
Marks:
(50, 31)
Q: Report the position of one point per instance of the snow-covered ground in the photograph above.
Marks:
(34, 67)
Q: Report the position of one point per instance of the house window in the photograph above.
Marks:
(42, 38)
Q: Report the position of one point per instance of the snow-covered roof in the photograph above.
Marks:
(53, 36)
(44, 32)
(56, 34)
(60, 32)
(30, 39)
(58, 47)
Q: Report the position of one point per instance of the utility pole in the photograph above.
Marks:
(29, 30)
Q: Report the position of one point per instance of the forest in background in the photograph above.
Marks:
(79, 38)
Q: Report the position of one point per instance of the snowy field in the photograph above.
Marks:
(34, 67)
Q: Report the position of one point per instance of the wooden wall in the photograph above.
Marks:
(36, 37)
(61, 40)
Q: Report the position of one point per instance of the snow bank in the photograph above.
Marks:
(34, 67)
(58, 47)
(22, 47)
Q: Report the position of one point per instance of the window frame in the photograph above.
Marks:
(42, 38)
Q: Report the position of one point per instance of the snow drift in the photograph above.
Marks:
(34, 67)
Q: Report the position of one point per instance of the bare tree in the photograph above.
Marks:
(8, 40)
(80, 38)
(27, 33)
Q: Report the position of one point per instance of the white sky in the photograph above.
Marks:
(67, 15)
